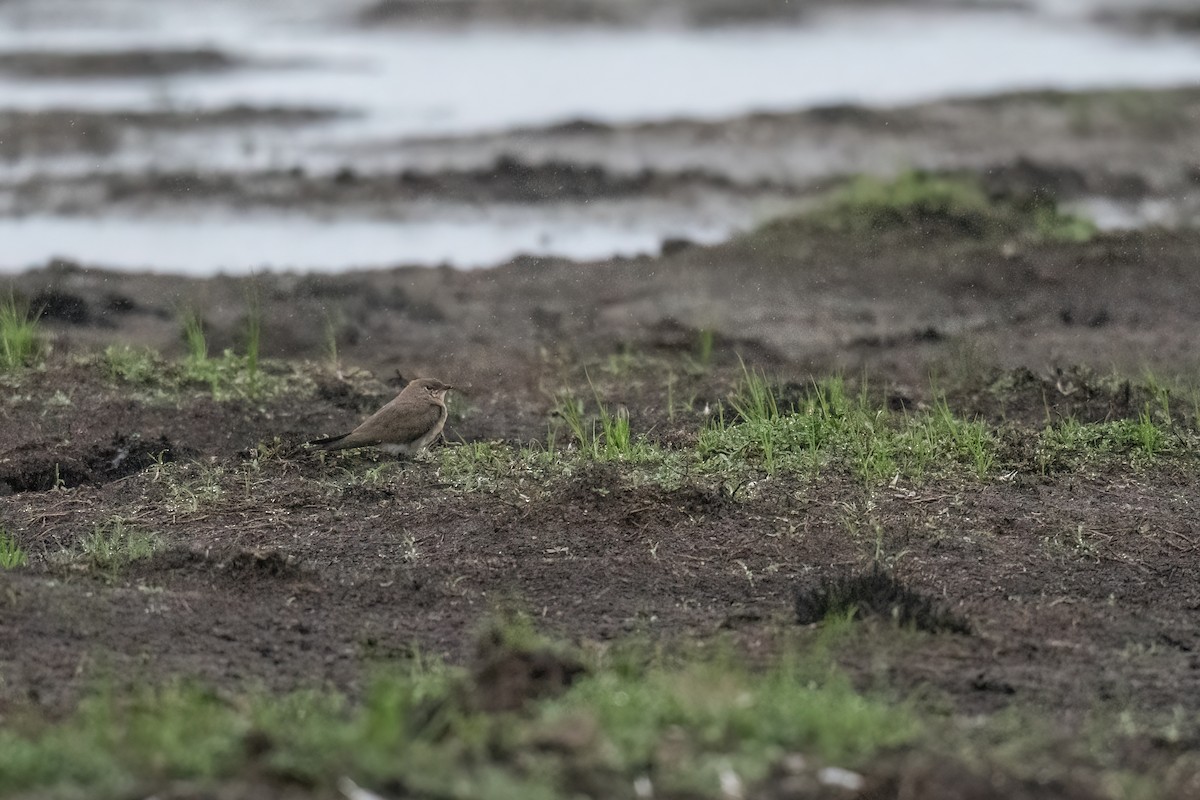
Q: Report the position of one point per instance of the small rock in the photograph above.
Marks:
(841, 778)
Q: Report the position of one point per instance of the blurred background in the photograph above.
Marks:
(234, 137)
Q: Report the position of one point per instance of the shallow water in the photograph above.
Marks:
(395, 84)
(258, 242)
(1120, 214)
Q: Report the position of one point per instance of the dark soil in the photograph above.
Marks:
(700, 13)
(116, 64)
(577, 12)
(506, 180)
(26, 134)
(1077, 587)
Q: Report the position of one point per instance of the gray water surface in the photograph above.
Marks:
(393, 85)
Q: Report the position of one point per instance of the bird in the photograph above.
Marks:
(406, 425)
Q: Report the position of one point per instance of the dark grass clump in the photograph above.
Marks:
(876, 594)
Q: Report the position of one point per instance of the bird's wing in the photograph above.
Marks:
(401, 421)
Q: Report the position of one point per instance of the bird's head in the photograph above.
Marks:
(431, 386)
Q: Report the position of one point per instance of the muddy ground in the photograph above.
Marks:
(1078, 585)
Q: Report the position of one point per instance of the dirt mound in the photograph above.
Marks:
(129, 454)
(507, 680)
(875, 594)
(62, 307)
(115, 64)
(505, 180)
(923, 777)
(576, 12)
(37, 469)
(507, 676)
(600, 493)
(243, 567)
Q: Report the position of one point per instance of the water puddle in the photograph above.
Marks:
(222, 243)
(403, 84)
(396, 85)
(1119, 214)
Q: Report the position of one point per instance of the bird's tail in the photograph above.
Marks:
(330, 442)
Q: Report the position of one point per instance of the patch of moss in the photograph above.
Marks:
(929, 202)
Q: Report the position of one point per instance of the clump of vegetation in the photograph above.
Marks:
(192, 328)
(226, 376)
(831, 428)
(1050, 223)
(21, 343)
(923, 200)
(969, 441)
(1070, 444)
(331, 342)
(509, 627)
(190, 486)
(139, 366)
(914, 197)
(726, 718)
(797, 430)
(253, 332)
(755, 400)
(253, 338)
(480, 466)
(875, 594)
(115, 543)
(690, 726)
(605, 437)
(11, 554)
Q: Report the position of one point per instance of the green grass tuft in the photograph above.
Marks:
(1054, 225)
(969, 441)
(115, 543)
(11, 554)
(482, 466)
(1073, 445)
(227, 376)
(606, 437)
(705, 340)
(832, 430)
(21, 343)
(755, 400)
(331, 341)
(192, 325)
(254, 317)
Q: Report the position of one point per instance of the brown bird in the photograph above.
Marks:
(412, 420)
